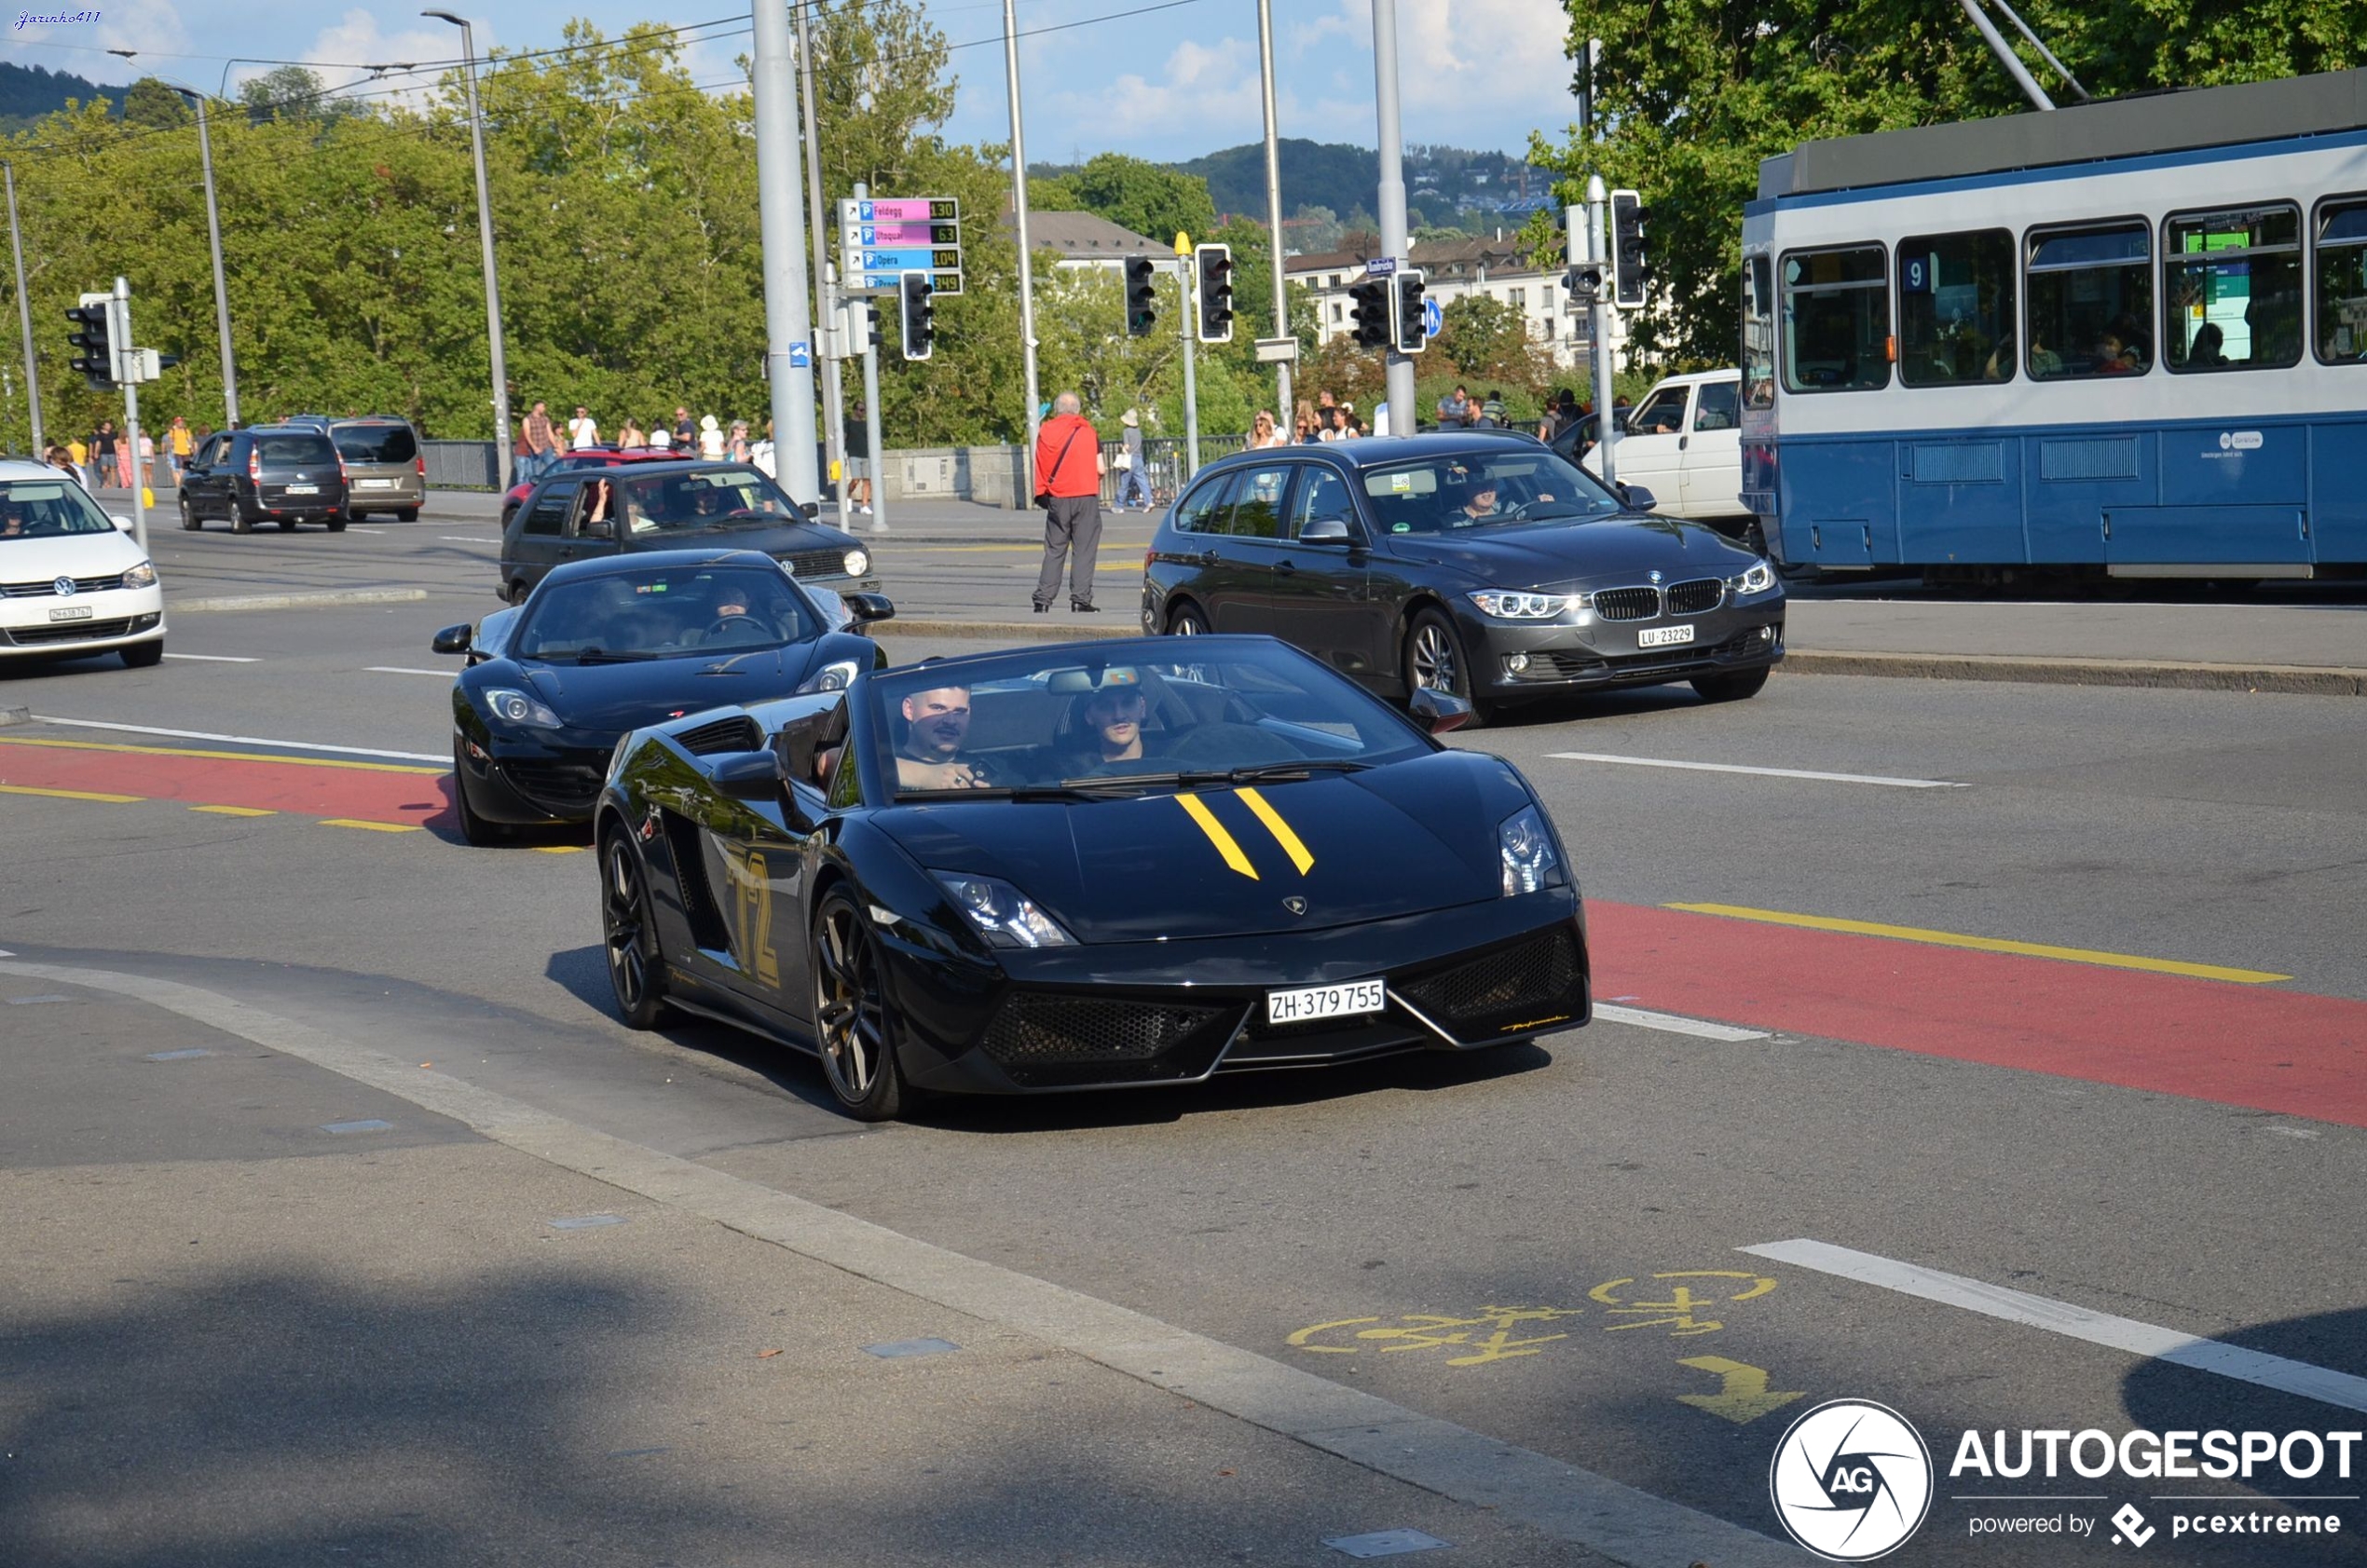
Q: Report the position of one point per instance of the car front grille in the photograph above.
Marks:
(1693, 597)
(78, 631)
(1046, 1041)
(1532, 982)
(561, 786)
(1577, 664)
(815, 563)
(1627, 604)
(738, 732)
(49, 588)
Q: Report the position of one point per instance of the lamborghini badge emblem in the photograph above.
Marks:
(1295, 904)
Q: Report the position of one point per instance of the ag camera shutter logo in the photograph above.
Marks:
(1851, 1481)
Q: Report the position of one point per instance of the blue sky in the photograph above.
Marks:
(1167, 84)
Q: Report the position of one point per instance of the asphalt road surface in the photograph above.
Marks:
(1996, 1053)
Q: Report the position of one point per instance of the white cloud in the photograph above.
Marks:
(357, 39)
(154, 28)
(1201, 86)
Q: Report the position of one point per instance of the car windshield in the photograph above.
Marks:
(377, 443)
(704, 499)
(1488, 488)
(47, 508)
(289, 449)
(668, 613)
(1121, 721)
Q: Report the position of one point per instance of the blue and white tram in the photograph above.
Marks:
(2128, 338)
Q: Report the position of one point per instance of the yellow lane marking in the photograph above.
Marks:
(224, 755)
(70, 793)
(1987, 943)
(371, 826)
(1224, 841)
(558, 848)
(1276, 826)
(236, 811)
(1742, 1398)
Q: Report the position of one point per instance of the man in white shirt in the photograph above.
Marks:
(581, 430)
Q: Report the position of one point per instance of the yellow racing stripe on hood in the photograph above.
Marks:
(1225, 845)
(1265, 813)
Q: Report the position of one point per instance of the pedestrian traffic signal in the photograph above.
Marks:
(1628, 217)
(1584, 282)
(1411, 324)
(1371, 312)
(93, 337)
(1142, 297)
(1214, 264)
(914, 291)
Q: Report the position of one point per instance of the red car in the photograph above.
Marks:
(588, 458)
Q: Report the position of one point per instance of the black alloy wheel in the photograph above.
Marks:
(1188, 622)
(636, 965)
(189, 514)
(1434, 661)
(474, 829)
(850, 1013)
(406, 514)
(240, 522)
(1730, 688)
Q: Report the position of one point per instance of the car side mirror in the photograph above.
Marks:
(867, 607)
(811, 509)
(1438, 712)
(749, 776)
(453, 639)
(1326, 530)
(1638, 498)
(122, 522)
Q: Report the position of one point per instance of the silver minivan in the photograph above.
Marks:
(385, 471)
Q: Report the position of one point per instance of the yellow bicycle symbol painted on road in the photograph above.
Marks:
(1485, 1337)
(1681, 1313)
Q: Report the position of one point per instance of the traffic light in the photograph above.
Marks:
(94, 338)
(1215, 263)
(1412, 328)
(914, 291)
(1142, 297)
(1371, 312)
(1584, 282)
(1628, 217)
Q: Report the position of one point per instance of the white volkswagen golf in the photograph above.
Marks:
(72, 579)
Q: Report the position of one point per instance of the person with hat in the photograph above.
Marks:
(1132, 480)
(710, 436)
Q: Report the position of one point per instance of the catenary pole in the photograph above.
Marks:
(1599, 320)
(1026, 262)
(221, 289)
(1282, 405)
(826, 294)
(1184, 270)
(123, 351)
(501, 437)
(788, 329)
(24, 311)
(1392, 194)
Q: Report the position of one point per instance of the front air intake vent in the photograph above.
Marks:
(735, 732)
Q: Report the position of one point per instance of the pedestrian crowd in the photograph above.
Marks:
(541, 437)
(106, 458)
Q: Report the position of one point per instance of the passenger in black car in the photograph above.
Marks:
(1109, 725)
(936, 722)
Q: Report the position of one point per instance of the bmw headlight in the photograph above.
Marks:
(837, 676)
(1003, 915)
(516, 707)
(142, 576)
(1512, 604)
(857, 563)
(1529, 860)
(1758, 580)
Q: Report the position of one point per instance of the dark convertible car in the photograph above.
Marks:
(605, 647)
(1083, 867)
(1479, 564)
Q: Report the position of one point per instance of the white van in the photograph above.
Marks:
(1684, 444)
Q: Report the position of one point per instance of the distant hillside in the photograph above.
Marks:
(29, 91)
(1327, 174)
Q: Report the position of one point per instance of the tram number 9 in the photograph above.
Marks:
(1915, 276)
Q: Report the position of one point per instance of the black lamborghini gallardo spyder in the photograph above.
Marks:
(1095, 864)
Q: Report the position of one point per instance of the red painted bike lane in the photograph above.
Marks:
(411, 796)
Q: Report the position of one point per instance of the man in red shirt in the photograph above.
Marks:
(1068, 485)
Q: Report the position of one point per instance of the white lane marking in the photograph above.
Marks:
(465, 538)
(242, 740)
(357, 528)
(214, 658)
(402, 670)
(2074, 1322)
(1672, 1024)
(1769, 773)
(1551, 1496)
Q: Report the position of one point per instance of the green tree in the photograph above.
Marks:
(1144, 197)
(151, 103)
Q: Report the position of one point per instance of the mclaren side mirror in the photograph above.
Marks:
(749, 775)
(867, 607)
(1438, 712)
(1638, 498)
(453, 639)
(1326, 530)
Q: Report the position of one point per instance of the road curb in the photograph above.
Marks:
(320, 600)
(2298, 679)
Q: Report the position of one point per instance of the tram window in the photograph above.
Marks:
(1956, 308)
(2091, 302)
(2341, 281)
(1836, 321)
(2232, 283)
(1759, 332)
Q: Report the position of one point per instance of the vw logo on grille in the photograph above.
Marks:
(64, 586)
(1295, 904)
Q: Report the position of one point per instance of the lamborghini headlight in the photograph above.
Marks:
(1758, 578)
(1527, 848)
(1003, 915)
(513, 707)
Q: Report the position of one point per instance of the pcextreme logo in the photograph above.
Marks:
(1852, 1480)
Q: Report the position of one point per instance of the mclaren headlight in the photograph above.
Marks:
(142, 576)
(513, 706)
(1758, 578)
(857, 561)
(1515, 603)
(1002, 914)
(1529, 861)
(837, 676)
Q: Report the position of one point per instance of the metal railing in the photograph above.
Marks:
(1164, 466)
(461, 465)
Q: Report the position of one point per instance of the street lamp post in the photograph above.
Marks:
(24, 310)
(195, 100)
(485, 228)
